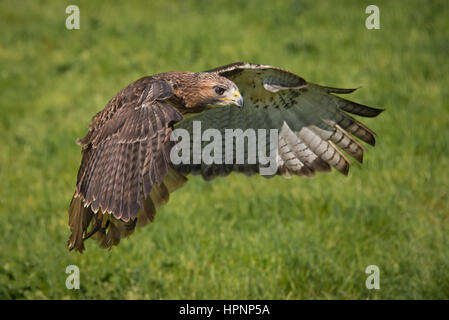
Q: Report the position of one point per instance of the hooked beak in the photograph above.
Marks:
(238, 99)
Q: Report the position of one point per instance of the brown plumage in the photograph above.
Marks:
(126, 173)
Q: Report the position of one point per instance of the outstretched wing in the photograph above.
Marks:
(314, 124)
(125, 154)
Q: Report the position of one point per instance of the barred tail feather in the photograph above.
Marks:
(79, 219)
(107, 229)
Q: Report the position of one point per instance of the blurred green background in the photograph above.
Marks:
(233, 238)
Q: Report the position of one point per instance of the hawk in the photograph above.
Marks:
(126, 172)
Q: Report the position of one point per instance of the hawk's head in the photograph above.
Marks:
(204, 89)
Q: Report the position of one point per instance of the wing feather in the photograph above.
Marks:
(314, 124)
(124, 161)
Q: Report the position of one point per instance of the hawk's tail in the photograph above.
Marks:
(79, 220)
(84, 223)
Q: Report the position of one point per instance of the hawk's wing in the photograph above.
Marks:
(313, 123)
(125, 153)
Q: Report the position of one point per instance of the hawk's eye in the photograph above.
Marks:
(219, 90)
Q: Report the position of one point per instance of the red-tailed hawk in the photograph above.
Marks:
(126, 172)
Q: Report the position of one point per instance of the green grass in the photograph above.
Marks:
(233, 238)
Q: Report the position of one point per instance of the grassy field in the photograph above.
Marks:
(234, 238)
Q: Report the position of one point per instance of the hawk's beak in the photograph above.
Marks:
(238, 99)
